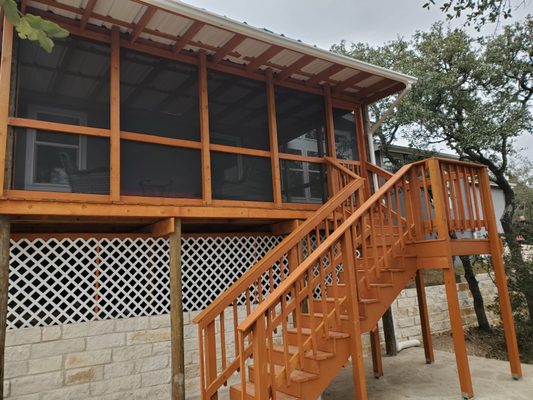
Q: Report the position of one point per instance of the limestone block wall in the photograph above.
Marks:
(130, 358)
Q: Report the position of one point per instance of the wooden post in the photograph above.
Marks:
(424, 317)
(176, 315)
(204, 128)
(389, 332)
(358, 366)
(273, 134)
(114, 140)
(330, 138)
(441, 222)
(5, 87)
(375, 344)
(501, 278)
(362, 145)
(4, 286)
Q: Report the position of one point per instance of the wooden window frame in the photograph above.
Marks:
(115, 134)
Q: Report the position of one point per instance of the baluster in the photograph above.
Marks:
(373, 241)
(399, 214)
(383, 238)
(455, 206)
(476, 202)
(323, 293)
(285, 335)
(242, 363)
(248, 306)
(223, 340)
(468, 200)
(211, 351)
(460, 199)
(426, 199)
(235, 325)
(202, 363)
(269, 331)
(261, 359)
(391, 222)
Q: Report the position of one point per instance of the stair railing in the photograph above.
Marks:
(217, 324)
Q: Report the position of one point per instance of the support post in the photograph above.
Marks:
(358, 366)
(441, 222)
(501, 278)
(114, 140)
(389, 332)
(375, 344)
(204, 128)
(273, 135)
(424, 317)
(4, 286)
(5, 87)
(176, 315)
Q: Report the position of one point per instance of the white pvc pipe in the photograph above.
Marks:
(407, 343)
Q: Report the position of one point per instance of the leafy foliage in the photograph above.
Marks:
(478, 12)
(33, 27)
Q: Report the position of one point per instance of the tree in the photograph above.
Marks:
(33, 27)
(478, 12)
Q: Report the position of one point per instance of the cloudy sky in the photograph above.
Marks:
(326, 22)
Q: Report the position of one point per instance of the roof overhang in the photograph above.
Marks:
(183, 30)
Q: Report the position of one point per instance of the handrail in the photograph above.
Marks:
(330, 240)
(250, 276)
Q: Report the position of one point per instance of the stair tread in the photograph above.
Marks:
(319, 355)
(297, 375)
(250, 391)
(381, 285)
(332, 334)
(369, 301)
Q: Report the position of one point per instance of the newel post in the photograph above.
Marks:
(260, 360)
(358, 366)
(499, 273)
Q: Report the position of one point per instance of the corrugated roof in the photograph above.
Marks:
(261, 49)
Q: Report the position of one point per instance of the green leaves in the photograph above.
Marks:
(32, 27)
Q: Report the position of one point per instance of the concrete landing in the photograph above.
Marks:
(407, 376)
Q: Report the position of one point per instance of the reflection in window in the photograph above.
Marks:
(60, 162)
(300, 120)
(159, 171)
(303, 182)
(73, 78)
(237, 111)
(158, 96)
(241, 177)
(345, 139)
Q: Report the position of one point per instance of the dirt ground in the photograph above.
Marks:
(483, 344)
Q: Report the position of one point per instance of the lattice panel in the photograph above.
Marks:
(58, 281)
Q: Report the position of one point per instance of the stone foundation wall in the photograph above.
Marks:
(130, 358)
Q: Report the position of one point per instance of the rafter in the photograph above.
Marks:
(382, 84)
(324, 75)
(264, 57)
(294, 67)
(386, 92)
(227, 48)
(87, 14)
(182, 41)
(143, 21)
(361, 76)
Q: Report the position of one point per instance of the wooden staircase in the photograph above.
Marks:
(287, 326)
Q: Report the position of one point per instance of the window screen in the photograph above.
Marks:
(345, 139)
(158, 96)
(237, 111)
(73, 79)
(303, 182)
(60, 162)
(241, 177)
(159, 171)
(300, 120)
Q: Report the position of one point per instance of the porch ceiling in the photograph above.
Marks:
(182, 29)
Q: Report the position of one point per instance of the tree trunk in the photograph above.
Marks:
(473, 285)
(390, 335)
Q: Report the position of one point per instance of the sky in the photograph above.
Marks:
(326, 22)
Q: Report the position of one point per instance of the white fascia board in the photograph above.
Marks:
(274, 39)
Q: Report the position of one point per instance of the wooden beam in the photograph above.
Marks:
(176, 315)
(5, 87)
(424, 317)
(263, 58)
(330, 126)
(384, 93)
(227, 48)
(182, 41)
(352, 81)
(285, 227)
(4, 292)
(162, 228)
(500, 275)
(204, 128)
(143, 22)
(324, 75)
(382, 84)
(114, 141)
(89, 8)
(375, 345)
(295, 67)
(23, 6)
(273, 134)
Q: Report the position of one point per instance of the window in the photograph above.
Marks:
(303, 182)
(300, 121)
(345, 139)
(158, 96)
(237, 111)
(160, 171)
(241, 177)
(74, 78)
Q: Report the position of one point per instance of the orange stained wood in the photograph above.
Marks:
(114, 142)
(273, 136)
(5, 85)
(299, 359)
(204, 129)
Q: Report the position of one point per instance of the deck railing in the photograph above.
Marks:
(355, 241)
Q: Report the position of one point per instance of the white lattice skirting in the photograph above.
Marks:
(60, 281)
